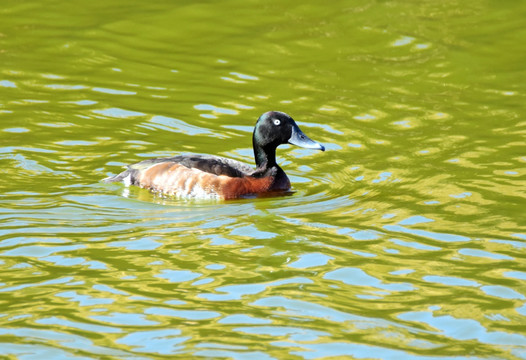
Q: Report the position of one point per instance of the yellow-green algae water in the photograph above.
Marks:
(406, 239)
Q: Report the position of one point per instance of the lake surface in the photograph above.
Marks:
(405, 239)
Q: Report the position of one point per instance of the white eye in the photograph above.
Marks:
(277, 122)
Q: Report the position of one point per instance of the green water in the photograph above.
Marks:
(404, 240)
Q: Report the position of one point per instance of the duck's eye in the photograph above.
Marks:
(277, 122)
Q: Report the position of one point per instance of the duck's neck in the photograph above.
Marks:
(267, 166)
(265, 157)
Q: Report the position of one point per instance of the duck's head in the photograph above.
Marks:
(274, 128)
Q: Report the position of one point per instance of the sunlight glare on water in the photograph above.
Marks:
(405, 239)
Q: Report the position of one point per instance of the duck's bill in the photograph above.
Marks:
(298, 138)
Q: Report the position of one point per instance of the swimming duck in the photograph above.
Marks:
(208, 176)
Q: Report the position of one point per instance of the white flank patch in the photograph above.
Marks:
(127, 180)
(198, 192)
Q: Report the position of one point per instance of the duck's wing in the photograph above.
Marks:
(208, 163)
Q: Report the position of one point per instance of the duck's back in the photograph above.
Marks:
(200, 176)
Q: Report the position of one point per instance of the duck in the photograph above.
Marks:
(211, 176)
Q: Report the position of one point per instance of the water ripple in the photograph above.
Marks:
(404, 240)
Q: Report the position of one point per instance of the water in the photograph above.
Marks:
(404, 240)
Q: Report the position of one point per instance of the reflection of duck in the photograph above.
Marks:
(208, 176)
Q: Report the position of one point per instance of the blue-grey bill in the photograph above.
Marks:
(298, 138)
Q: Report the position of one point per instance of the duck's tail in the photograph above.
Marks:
(128, 177)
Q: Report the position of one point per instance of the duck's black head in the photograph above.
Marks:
(274, 128)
